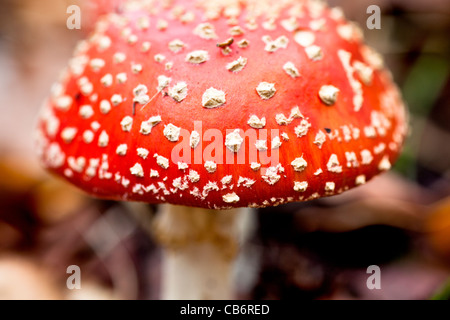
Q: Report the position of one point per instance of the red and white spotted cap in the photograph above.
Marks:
(222, 104)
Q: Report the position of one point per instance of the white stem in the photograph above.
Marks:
(200, 250)
(197, 272)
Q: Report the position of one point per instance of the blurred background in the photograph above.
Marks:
(316, 250)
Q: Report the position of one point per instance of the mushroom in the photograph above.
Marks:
(160, 105)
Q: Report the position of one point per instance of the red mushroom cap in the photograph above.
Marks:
(221, 104)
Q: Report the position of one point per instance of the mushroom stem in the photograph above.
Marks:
(200, 247)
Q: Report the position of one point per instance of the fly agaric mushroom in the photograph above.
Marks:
(218, 105)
